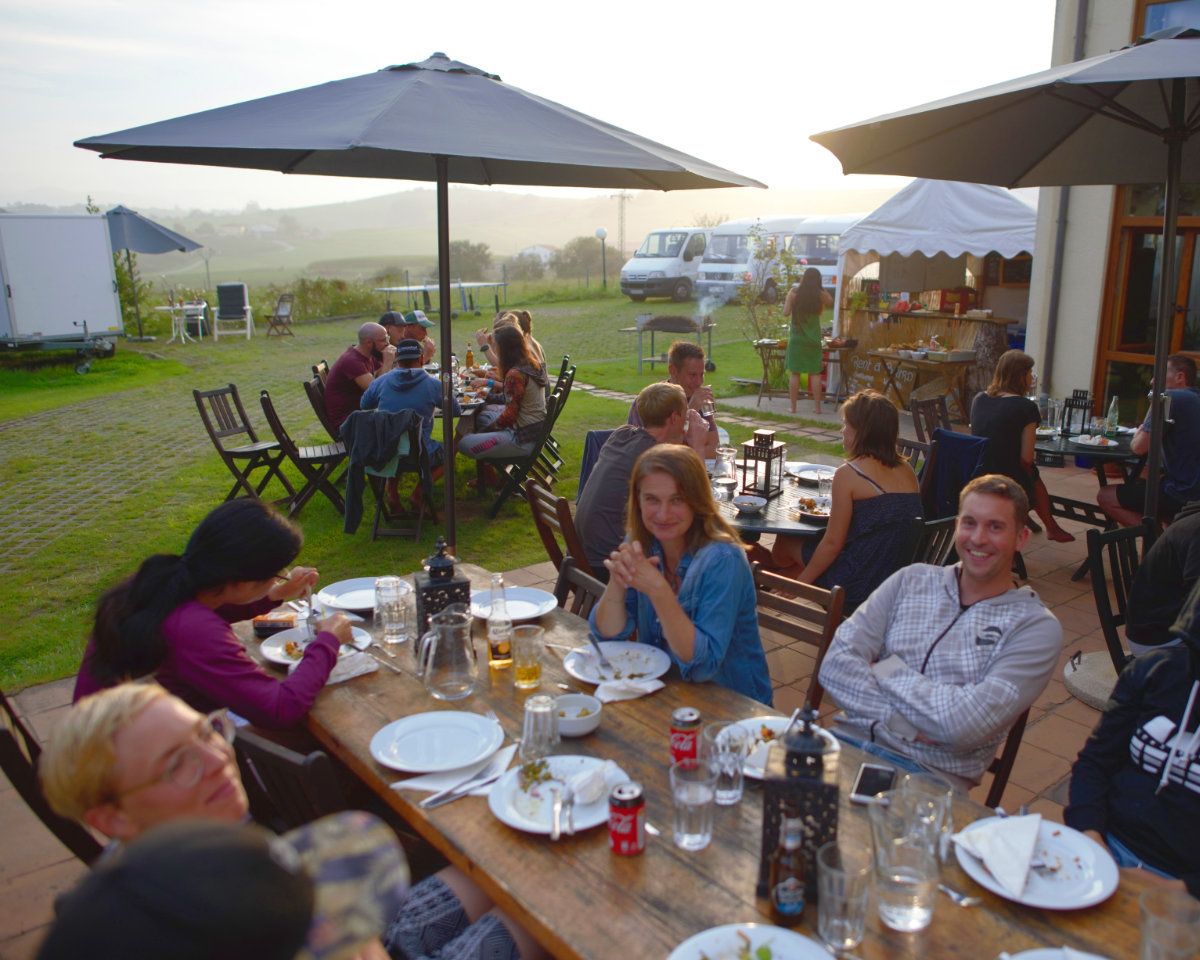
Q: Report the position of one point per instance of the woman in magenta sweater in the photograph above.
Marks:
(171, 620)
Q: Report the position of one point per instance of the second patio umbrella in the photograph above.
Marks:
(438, 120)
(1128, 117)
(129, 230)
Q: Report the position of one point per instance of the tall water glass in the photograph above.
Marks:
(392, 609)
(1170, 925)
(906, 866)
(727, 745)
(694, 790)
(724, 477)
(539, 733)
(933, 808)
(843, 881)
(825, 488)
(1054, 415)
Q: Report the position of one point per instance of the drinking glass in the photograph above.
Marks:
(528, 642)
(708, 408)
(694, 790)
(391, 609)
(1054, 415)
(842, 881)
(726, 745)
(906, 867)
(1099, 424)
(933, 800)
(724, 477)
(825, 487)
(1170, 925)
(539, 734)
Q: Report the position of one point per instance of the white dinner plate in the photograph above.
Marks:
(723, 943)
(1085, 440)
(530, 811)
(524, 603)
(1081, 873)
(357, 594)
(1045, 432)
(273, 646)
(1054, 953)
(436, 741)
(630, 661)
(808, 473)
(777, 725)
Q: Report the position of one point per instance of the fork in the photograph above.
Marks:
(568, 803)
(604, 664)
(959, 898)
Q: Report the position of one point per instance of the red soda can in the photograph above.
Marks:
(685, 734)
(627, 819)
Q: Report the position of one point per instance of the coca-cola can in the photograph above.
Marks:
(627, 819)
(685, 734)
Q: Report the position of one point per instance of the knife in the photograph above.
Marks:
(489, 773)
(457, 793)
(556, 814)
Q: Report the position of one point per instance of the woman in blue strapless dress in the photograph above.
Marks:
(875, 498)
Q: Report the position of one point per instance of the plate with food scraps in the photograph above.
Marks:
(357, 595)
(812, 510)
(630, 661)
(809, 474)
(523, 797)
(749, 941)
(1088, 440)
(287, 646)
(1045, 432)
(436, 741)
(523, 603)
(1076, 871)
(765, 731)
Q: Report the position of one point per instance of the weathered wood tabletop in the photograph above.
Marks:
(580, 900)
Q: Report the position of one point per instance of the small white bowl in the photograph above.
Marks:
(749, 504)
(570, 705)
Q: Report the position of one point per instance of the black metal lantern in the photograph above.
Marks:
(763, 461)
(801, 773)
(438, 587)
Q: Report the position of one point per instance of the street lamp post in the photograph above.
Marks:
(601, 233)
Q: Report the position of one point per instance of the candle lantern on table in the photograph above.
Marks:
(438, 586)
(763, 460)
(801, 776)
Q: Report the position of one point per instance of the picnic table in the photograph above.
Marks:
(580, 900)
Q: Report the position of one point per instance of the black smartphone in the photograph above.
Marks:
(872, 778)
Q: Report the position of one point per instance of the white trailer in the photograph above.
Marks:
(59, 285)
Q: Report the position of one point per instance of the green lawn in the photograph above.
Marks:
(51, 591)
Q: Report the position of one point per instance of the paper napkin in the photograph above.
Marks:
(348, 667)
(1005, 845)
(435, 782)
(611, 690)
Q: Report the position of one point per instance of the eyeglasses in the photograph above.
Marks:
(186, 764)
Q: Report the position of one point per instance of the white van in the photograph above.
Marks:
(666, 264)
(729, 262)
(815, 244)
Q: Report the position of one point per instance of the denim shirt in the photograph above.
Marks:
(717, 593)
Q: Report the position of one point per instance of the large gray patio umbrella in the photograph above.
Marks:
(129, 230)
(437, 120)
(1123, 117)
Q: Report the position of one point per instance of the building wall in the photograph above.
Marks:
(1089, 222)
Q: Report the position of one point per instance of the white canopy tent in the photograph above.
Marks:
(932, 232)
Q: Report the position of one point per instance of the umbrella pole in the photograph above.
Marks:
(1176, 133)
(133, 285)
(443, 219)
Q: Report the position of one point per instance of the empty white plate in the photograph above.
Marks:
(355, 594)
(524, 603)
(436, 741)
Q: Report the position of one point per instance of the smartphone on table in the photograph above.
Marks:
(872, 778)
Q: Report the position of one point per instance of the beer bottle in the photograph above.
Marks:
(788, 880)
(470, 357)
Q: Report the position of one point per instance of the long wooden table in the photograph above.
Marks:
(580, 900)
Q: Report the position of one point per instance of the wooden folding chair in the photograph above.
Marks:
(315, 463)
(408, 461)
(224, 418)
(19, 753)
(575, 590)
(316, 397)
(552, 518)
(800, 611)
(933, 541)
(1001, 766)
(930, 414)
(518, 468)
(550, 461)
(279, 322)
(1124, 547)
(321, 372)
(286, 789)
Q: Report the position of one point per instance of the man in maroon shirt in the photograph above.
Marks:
(354, 370)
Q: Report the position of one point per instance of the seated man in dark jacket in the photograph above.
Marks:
(1163, 581)
(1136, 784)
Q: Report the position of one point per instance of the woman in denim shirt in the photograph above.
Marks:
(682, 579)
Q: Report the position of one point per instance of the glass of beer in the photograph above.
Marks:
(528, 642)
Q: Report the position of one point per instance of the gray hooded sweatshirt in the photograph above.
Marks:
(932, 680)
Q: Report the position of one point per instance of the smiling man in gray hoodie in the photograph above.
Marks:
(939, 662)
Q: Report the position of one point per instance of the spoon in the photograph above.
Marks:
(959, 898)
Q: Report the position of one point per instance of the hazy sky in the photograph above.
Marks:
(741, 85)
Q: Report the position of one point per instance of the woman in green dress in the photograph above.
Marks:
(804, 304)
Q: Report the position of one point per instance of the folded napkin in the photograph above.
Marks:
(590, 785)
(348, 667)
(436, 782)
(611, 690)
(1005, 845)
